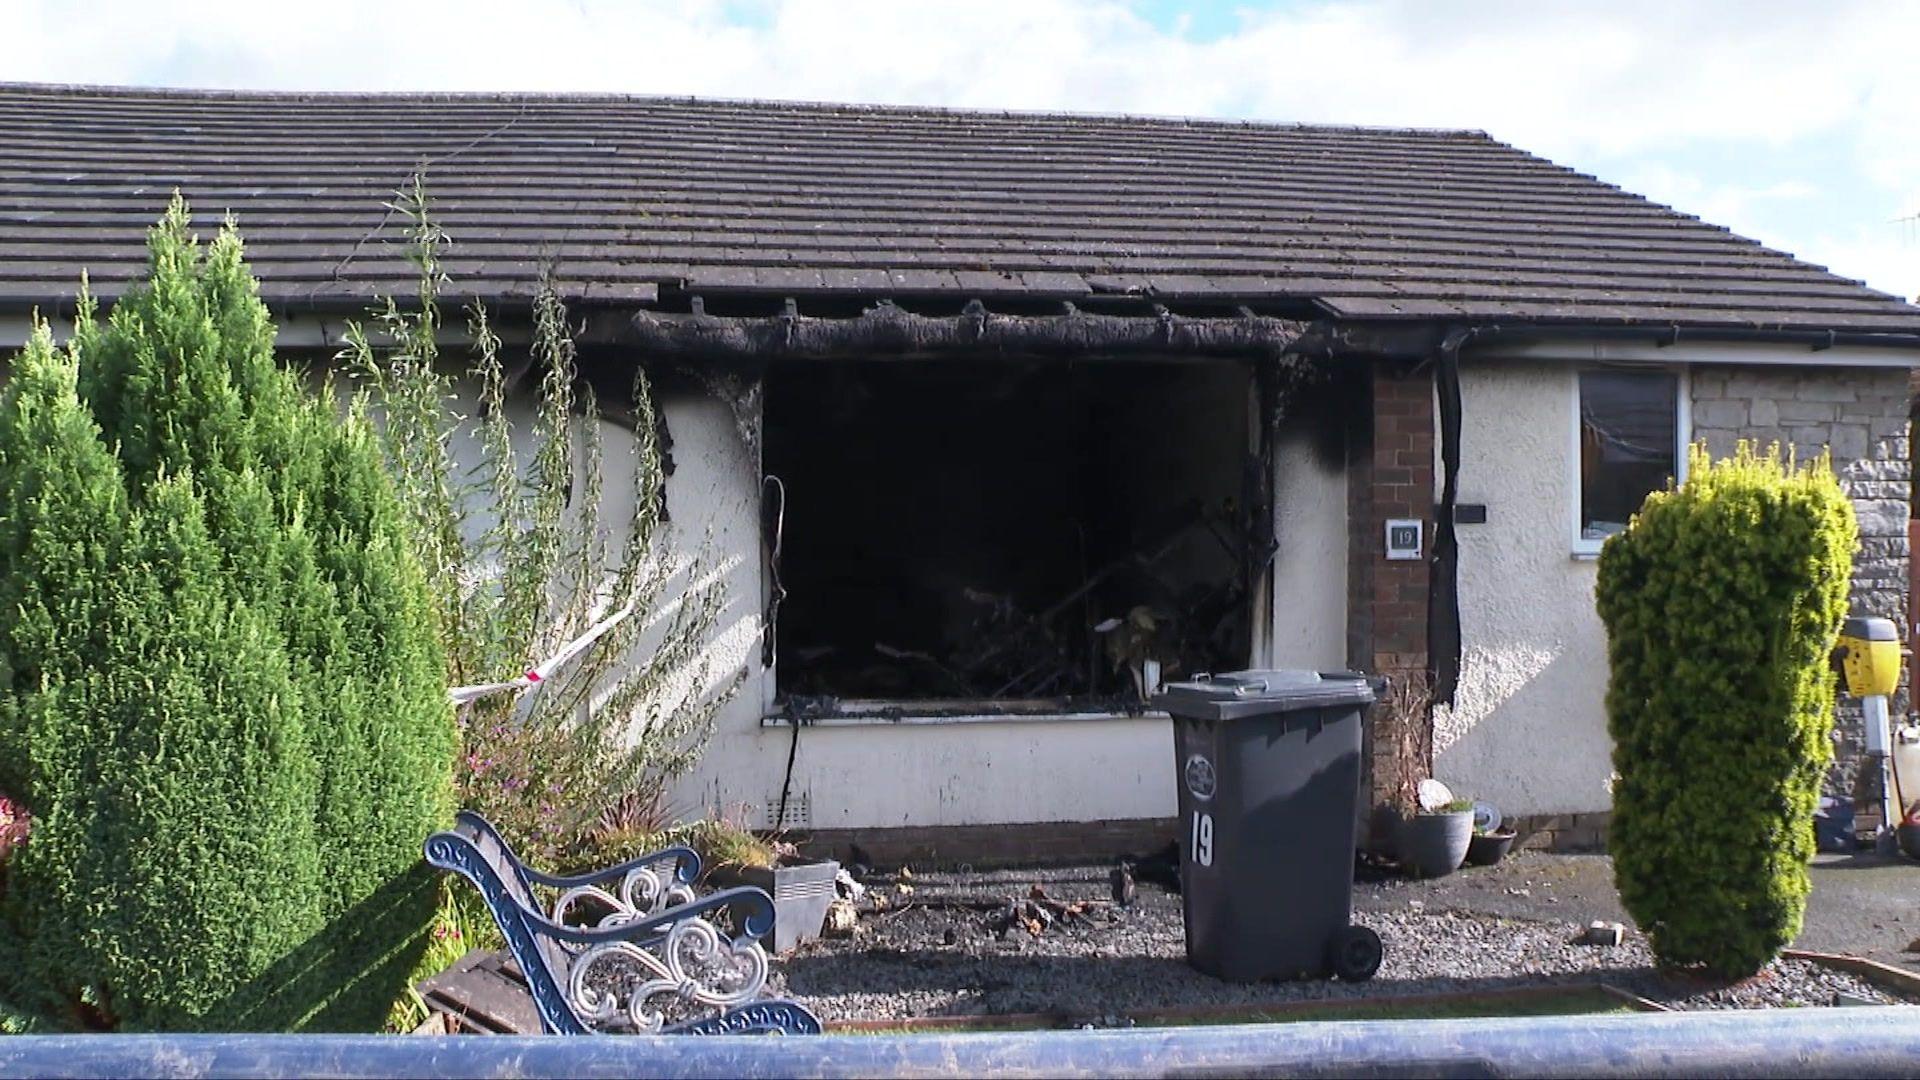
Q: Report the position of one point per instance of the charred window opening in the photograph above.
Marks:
(999, 531)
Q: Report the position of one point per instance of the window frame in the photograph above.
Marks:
(1582, 547)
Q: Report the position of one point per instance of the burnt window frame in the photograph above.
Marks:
(1583, 546)
(781, 706)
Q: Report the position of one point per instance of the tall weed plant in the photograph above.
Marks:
(524, 554)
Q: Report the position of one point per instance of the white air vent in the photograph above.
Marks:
(799, 813)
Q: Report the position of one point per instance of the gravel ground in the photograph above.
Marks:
(935, 954)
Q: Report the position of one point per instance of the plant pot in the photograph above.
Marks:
(801, 891)
(1434, 845)
(1909, 837)
(1485, 849)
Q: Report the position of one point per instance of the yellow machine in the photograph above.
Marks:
(1869, 655)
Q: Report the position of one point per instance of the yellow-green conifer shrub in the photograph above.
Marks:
(1722, 601)
(222, 694)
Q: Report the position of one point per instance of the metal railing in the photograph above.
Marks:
(1850, 1042)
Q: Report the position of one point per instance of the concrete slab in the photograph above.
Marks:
(1863, 905)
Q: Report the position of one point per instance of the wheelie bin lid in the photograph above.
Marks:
(1240, 694)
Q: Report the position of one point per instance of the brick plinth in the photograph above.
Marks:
(1561, 832)
(1390, 471)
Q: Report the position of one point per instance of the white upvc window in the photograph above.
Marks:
(1630, 433)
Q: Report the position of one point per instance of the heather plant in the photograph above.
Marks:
(16, 824)
(222, 700)
(525, 553)
(1722, 601)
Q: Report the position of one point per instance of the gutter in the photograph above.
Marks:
(1419, 338)
(885, 330)
(1667, 336)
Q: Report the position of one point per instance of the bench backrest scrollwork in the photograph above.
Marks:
(609, 976)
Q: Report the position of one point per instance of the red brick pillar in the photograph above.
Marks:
(1390, 472)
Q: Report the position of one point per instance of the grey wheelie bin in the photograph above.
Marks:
(1269, 779)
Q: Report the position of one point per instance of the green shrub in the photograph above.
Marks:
(222, 698)
(1722, 601)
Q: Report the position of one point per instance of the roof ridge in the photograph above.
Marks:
(526, 97)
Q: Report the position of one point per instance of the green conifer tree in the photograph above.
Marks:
(1722, 600)
(223, 698)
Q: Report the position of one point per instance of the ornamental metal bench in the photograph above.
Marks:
(652, 960)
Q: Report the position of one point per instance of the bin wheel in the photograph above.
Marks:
(1355, 954)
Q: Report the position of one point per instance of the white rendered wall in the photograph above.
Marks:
(1309, 624)
(894, 775)
(1528, 727)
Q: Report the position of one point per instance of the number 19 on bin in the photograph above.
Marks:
(1202, 845)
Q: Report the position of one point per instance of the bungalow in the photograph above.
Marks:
(994, 419)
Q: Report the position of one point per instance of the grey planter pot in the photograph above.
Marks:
(1486, 849)
(801, 892)
(1434, 845)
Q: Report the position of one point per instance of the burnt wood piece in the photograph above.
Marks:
(648, 969)
(888, 330)
(483, 993)
(628, 198)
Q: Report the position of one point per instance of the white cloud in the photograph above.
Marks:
(1561, 78)
(1879, 249)
(1630, 80)
(1886, 255)
(1747, 209)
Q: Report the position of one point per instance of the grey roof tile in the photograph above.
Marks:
(623, 196)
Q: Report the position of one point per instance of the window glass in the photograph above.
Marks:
(1629, 444)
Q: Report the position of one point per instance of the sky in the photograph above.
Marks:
(1794, 123)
